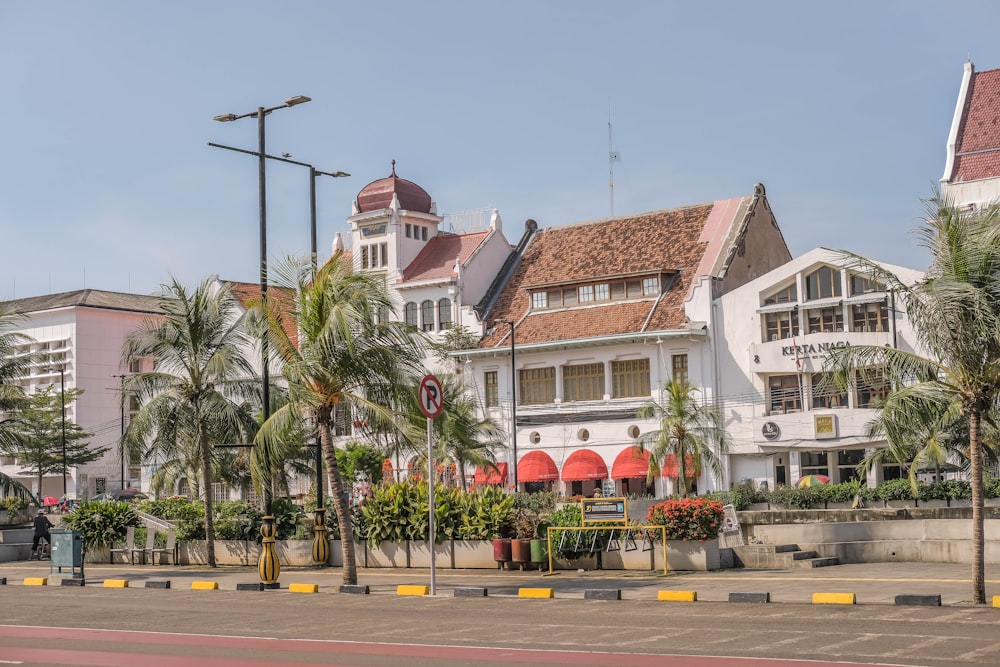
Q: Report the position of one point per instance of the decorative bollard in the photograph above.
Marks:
(321, 548)
(268, 566)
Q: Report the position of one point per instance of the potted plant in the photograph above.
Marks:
(525, 526)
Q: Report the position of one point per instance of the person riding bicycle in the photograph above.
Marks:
(42, 526)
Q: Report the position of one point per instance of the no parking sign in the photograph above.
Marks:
(430, 396)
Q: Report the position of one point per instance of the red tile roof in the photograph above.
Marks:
(437, 258)
(661, 241)
(977, 148)
(378, 194)
(281, 298)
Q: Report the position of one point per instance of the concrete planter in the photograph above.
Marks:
(420, 554)
(97, 555)
(960, 503)
(388, 554)
(900, 503)
(294, 553)
(227, 552)
(18, 518)
(583, 563)
(637, 559)
(685, 555)
(991, 502)
(932, 503)
(473, 554)
(758, 507)
(838, 506)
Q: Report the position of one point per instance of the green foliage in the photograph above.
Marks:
(541, 503)
(358, 457)
(488, 514)
(844, 492)
(237, 520)
(175, 508)
(694, 519)
(895, 489)
(286, 517)
(991, 486)
(525, 524)
(952, 489)
(101, 522)
(13, 504)
(794, 498)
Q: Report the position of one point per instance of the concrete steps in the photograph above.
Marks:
(779, 557)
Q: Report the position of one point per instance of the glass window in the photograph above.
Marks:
(814, 463)
(569, 296)
(384, 254)
(583, 382)
(633, 288)
(618, 290)
(444, 313)
(554, 297)
(826, 320)
(364, 257)
(787, 295)
(864, 285)
(870, 316)
(825, 393)
(536, 386)
(679, 366)
(650, 286)
(427, 315)
(784, 393)
(778, 326)
(410, 313)
(630, 378)
(824, 283)
(585, 293)
(872, 387)
(539, 299)
(492, 389)
(602, 292)
(409, 230)
(423, 233)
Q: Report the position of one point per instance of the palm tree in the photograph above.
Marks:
(200, 380)
(12, 367)
(955, 312)
(344, 359)
(461, 437)
(689, 431)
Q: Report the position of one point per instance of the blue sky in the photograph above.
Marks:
(841, 109)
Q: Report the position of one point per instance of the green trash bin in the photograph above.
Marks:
(67, 551)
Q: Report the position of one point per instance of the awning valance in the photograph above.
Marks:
(491, 476)
(584, 464)
(536, 467)
(630, 462)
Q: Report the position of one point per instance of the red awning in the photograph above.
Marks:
(672, 469)
(630, 462)
(490, 476)
(584, 464)
(536, 467)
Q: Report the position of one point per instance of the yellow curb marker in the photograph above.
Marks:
(996, 600)
(116, 583)
(543, 593)
(204, 585)
(833, 598)
(404, 589)
(36, 581)
(677, 596)
(303, 588)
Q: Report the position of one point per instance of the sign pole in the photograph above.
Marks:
(430, 397)
(430, 492)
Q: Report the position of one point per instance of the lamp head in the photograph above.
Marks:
(225, 118)
(298, 99)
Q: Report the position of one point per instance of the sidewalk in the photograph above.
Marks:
(872, 583)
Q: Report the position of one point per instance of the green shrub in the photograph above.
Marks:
(692, 519)
(541, 503)
(100, 523)
(14, 504)
(952, 489)
(894, 489)
(794, 498)
(175, 508)
(991, 486)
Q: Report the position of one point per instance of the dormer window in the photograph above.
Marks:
(864, 285)
(650, 286)
(786, 295)
(823, 283)
(540, 300)
(588, 293)
(585, 293)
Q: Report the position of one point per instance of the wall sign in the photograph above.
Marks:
(825, 426)
(770, 431)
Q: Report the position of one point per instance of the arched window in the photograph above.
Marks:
(444, 313)
(410, 313)
(427, 315)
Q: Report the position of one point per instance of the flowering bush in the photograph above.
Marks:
(692, 519)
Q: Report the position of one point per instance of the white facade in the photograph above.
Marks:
(772, 336)
(83, 333)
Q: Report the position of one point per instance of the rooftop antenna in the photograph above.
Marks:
(613, 157)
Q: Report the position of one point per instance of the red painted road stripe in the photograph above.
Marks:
(328, 647)
(54, 656)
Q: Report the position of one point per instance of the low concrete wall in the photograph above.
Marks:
(876, 536)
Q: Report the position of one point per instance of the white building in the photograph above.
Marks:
(595, 319)
(82, 333)
(773, 334)
(972, 163)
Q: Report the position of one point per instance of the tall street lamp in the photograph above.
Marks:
(513, 397)
(121, 443)
(321, 548)
(62, 400)
(267, 566)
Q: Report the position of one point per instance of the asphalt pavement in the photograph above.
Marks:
(871, 583)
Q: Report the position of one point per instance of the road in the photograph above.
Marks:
(221, 628)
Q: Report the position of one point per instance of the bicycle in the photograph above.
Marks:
(43, 551)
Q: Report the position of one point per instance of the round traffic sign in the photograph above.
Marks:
(430, 397)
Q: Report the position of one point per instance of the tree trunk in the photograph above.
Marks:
(339, 503)
(206, 475)
(461, 472)
(976, 459)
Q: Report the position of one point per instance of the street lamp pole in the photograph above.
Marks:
(267, 566)
(121, 443)
(62, 400)
(320, 545)
(513, 398)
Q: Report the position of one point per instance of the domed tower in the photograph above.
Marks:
(392, 220)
